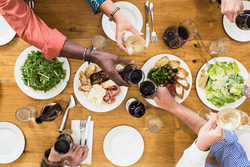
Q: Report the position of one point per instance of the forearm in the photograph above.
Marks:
(190, 118)
(107, 7)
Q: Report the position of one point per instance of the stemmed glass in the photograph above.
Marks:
(228, 118)
(177, 36)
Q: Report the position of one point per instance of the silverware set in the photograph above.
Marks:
(153, 34)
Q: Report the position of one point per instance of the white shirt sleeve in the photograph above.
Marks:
(64, 165)
(193, 157)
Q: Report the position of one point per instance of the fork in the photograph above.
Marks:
(153, 34)
(82, 125)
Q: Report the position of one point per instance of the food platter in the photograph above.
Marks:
(150, 64)
(39, 94)
(132, 13)
(233, 31)
(123, 146)
(202, 94)
(82, 98)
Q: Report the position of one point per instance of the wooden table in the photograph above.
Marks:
(163, 149)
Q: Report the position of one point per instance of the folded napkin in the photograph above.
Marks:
(75, 125)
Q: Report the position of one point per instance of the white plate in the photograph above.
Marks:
(202, 93)
(150, 64)
(39, 94)
(243, 139)
(82, 98)
(123, 145)
(6, 32)
(233, 31)
(132, 13)
(12, 142)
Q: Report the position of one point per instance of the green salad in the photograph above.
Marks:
(224, 83)
(40, 73)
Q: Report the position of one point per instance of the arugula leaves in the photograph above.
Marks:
(40, 73)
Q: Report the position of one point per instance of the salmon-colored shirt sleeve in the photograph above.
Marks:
(31, 28)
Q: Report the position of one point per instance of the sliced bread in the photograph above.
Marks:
(182, 73)
(179, 90)
(203, 79)
(183, 82)
(162, 62)
(174, 64)
(85, 88)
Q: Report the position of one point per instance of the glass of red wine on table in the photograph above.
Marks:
(177, 36)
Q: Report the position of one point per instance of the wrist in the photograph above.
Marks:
(118, 16)
(202, 147)
(68, 163)
(55, 158)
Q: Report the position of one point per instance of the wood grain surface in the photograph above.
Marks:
(162, 149)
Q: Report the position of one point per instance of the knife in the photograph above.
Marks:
(87, 130)
(147, 25)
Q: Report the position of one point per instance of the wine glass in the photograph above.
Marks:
(177, 36)
(228, 118)
(135, 44)
(246, 87)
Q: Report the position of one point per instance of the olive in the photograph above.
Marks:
(169, 77)
(170, 71)
(175, 70)
(173, 75)
(166, 74)
(166, 82)
(169, 67)
(175, 81)
(171, 81)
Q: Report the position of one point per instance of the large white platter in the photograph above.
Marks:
(82, 98)
(132, 13)
(123, 145)
(6, 32)
(12, 142)
(233, 31)
(202, 94)
(150, 64)
(39, 94)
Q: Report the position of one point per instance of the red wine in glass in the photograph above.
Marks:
(243, 20)
(148, 89)
(136, 108)
(132, 75)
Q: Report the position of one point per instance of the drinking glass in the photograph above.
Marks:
(24, 114)
(246, 88)
(148, 89)
(135, 44)
(153, 123)
(98, 42)
(222, 45)
(65, 142)
(132, 74)
(243, 20)
(228, 118)
(177, 36)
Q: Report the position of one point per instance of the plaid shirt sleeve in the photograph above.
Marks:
(45, 162)
(95, 4)
(229, 151)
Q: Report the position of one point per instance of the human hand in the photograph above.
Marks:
(54, 157)
(247, 82)
(209, 134)
(231, 8)
(122, 26)
(77, 155)
(108, 62)
(164, 99)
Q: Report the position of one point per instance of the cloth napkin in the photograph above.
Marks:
(75, 125)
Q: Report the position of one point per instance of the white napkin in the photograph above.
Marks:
(75, 125)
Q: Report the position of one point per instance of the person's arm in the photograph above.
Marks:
(196, 155)
(165, 101)
(231, 8)
(122, 23)
(52, 43)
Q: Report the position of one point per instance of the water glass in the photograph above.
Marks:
(24, 114)
(98, 42)
(154, 124)
(222, 45)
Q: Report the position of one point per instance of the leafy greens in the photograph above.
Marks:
(40, 73)
(224, 84)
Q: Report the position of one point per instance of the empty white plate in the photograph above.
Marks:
(6, 32)
(132, 13)
(123, 145)
(12, 142)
